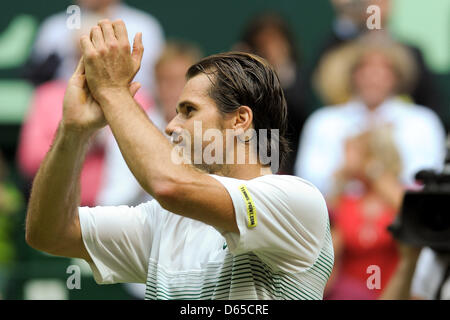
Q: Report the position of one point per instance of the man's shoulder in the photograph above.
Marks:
(287, 183)
(297, 194)
(284, 182)
(417, 116)
(286, 191)
(299, 204)
(154, 209)
(326, 113)
(418, 111)
(330, 118)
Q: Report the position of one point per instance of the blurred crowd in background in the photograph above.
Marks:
(366, 112)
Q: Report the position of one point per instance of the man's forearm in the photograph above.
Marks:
(390, 189)
(55, 193)
(399, 286)
(145, 149)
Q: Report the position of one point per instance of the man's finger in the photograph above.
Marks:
(87, 48)
(134, 87)
(108, 31)
(80, 67)
(120, 31)
(78, 78)
(138, 50)
(97, 38)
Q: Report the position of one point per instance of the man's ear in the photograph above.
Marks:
(243, 119)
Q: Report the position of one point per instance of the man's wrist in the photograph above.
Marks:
(107, 95)
(74, 135)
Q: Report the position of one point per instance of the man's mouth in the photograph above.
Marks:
(177, 138)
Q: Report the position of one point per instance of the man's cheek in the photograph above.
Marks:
(197, 147)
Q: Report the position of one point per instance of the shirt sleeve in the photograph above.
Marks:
(119, 240)
(282, 219)
(421, 143)
(427, 276)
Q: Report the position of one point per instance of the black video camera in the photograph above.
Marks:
(424, 219)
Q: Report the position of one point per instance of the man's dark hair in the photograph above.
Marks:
(242, 79)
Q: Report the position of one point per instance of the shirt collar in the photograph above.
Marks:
(384, 109)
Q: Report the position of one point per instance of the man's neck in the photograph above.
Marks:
(244, 171)
(247, 170)
(373, 107)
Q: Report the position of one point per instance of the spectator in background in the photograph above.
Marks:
(11, 202)
(331, 80)
(379, 70)
(350, 24)
(55, 54)
(431, 279)
(422, 274)
(365, 199)
(170, 71)
(42, 121)
(269, 36)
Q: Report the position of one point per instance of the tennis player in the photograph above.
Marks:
(222, 230)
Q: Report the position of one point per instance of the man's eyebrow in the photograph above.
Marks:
(184, 104)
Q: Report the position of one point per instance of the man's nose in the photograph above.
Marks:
(172, 127)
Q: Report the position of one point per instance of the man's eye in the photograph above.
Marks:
(189, 110)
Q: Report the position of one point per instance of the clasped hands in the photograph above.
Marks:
(107, 68)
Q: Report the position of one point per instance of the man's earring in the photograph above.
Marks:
(246, 136)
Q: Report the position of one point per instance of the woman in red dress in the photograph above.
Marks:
(366, 198)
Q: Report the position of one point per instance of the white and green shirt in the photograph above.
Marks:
(283, 249)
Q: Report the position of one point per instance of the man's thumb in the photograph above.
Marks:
(78, 78)
(134, 87)
(138, 49)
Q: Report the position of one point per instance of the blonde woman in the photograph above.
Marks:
(365, 199)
